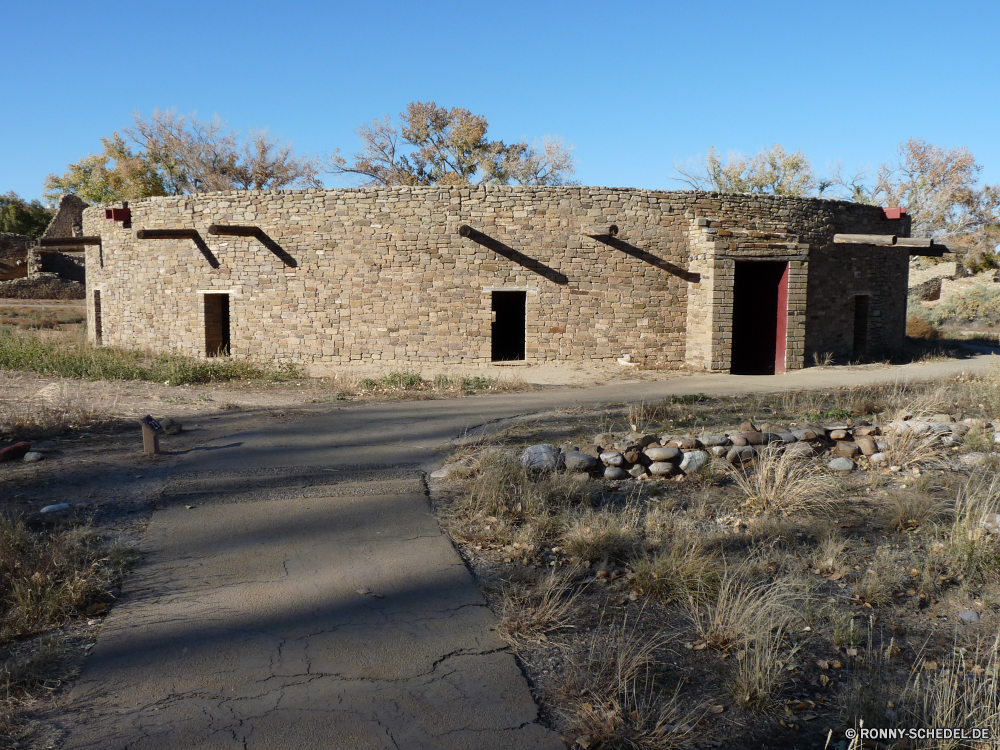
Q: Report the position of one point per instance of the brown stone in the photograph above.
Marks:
(748, 427)
(866, 444)
(847, 450)
(738, 440)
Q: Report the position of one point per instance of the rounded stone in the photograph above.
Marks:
(32, 456)
(663, 469)
(542, 457)
(711, 441)
(615, 472)
(718, 450)
(579, 461)
(663, 454)
(637, 471)
(738, 440)
(787, 438)
(841, 464)
(612, 458)
(694, 461)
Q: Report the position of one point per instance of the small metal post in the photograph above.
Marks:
(151, 430)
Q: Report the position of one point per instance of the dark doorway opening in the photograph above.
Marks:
(508, 326)
(860, 326)
(760, 317)
(217, 325)
(98, 328)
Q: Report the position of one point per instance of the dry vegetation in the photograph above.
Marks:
(773, 605)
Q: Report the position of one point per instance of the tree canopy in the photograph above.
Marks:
(434, 145)
(172, 154)
(19, 216)
(771, 170)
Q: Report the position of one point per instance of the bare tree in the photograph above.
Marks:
(771, 170)
(439, 146)
(172, 154)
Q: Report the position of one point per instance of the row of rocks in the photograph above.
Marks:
(637, 454)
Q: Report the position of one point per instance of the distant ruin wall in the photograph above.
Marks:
(382, 275)
(14, 255)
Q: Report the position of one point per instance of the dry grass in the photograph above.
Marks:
(532, 617)
(904, 447)
(46, 578)
(780, 483)
(611, 693)
(742, 607)
(604, 536)
(971, 550)
(757, 674)
(912, 509)
(961, 693)
(53, 409)
(683, 569)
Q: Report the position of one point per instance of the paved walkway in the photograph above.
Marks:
(244, 626)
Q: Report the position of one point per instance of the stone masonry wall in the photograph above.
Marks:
(14, 255)
(67, 222)
(378, 275)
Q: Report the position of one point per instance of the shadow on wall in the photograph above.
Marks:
(511, 254)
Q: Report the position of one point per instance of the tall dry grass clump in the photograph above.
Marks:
(614, 536)
(971, 548)
(53, 409)
(530, 618)
(960, 693)
(777, 482)
(678, 570)
(757, 672)
(610, 692)
(742, 607)
(45, 578)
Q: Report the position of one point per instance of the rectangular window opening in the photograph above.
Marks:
(508, 328)
(217, 337)
(860, 326)
(98, 328)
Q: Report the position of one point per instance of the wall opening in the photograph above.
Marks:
(217, 338)
(760, 317)
(508, 329)
(98, 328)
(860, 325)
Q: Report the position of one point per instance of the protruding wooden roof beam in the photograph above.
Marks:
(68, 242)
(864, 239)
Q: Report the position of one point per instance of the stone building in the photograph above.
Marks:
(474, 275)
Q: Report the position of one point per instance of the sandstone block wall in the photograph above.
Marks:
(371, 275)
(14, 250)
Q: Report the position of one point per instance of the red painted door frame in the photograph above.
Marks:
(782, 312)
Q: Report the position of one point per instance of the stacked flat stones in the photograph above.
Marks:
(636, 455)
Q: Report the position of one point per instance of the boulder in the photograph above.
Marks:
(719, 450)
(576, 461)
(542, 457)
(847, 450)
(970, 615)
(637, 471)
(738, 440)
(839, 434)
(866, 445)
(877, 458)
(612, 458)
(663, 469)
(171, 426)
(694, 461)
(32, 456)
(748, 427)
(663, 454)
(713, 441)
(615, 472)
(866, 430)
(632, 454)
(590, 450)
(754, 438)
(14, 452)
(841, 464)
(787, 438)
(804, 434)
(740, 454)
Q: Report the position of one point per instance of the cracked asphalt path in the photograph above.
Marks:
(244, 626)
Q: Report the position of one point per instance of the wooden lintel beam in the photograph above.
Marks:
(68, 241)
(935, 251)
(167, 234)
(864, 239)
(63, 250)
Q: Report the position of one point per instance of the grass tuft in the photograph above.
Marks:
(780, 483)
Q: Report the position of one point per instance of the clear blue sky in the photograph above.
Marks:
(634, 86)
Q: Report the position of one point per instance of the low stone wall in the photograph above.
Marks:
(377, 275)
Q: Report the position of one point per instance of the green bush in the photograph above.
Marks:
(979, 304)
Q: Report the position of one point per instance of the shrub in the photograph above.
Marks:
(919, 327)
(779, 482)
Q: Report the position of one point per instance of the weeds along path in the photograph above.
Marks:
(296, 591)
